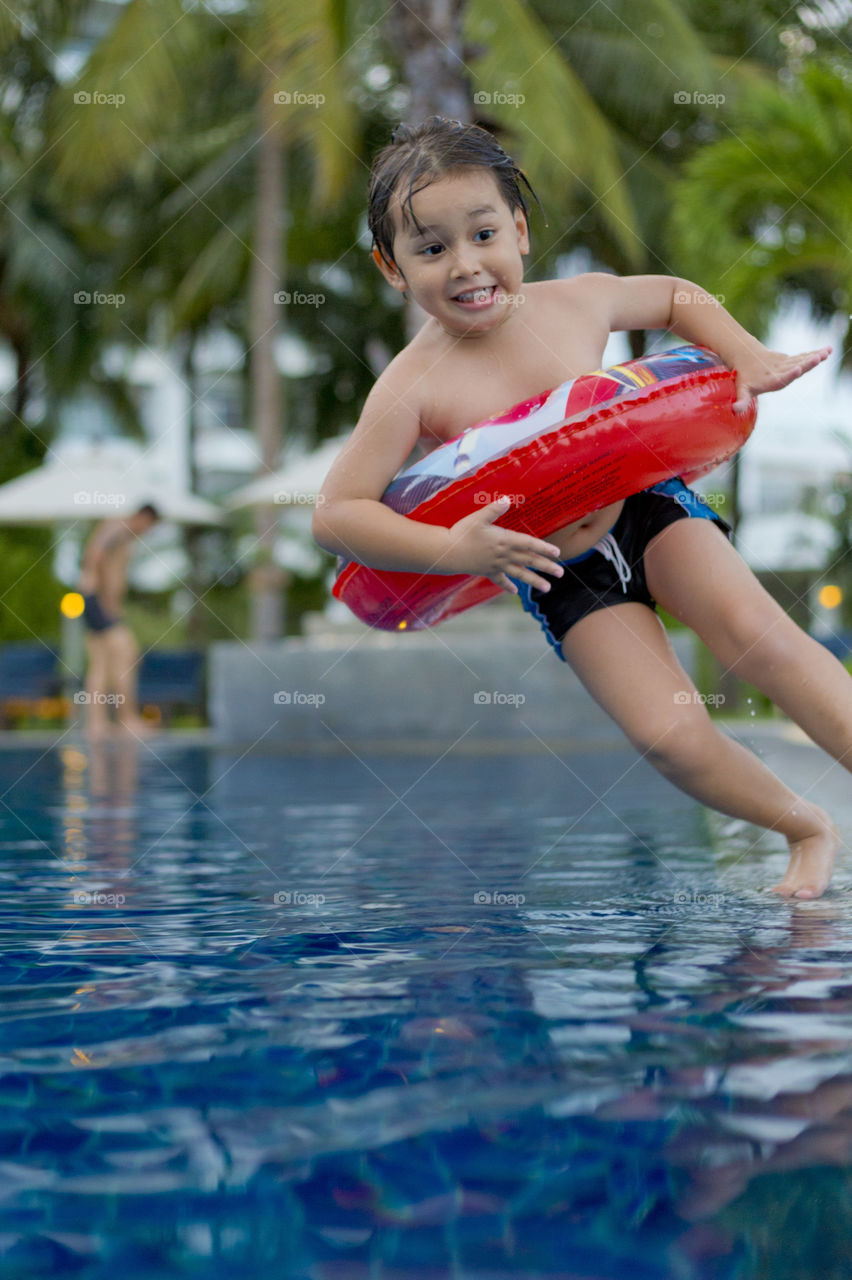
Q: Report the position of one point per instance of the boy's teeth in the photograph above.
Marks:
(476, 295)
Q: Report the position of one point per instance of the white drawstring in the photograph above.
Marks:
(610, 550)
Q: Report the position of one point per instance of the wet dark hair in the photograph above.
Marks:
(429, 151)
(148, 509)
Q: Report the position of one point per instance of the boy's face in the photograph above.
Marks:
(465, 267)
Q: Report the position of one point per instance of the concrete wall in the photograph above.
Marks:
(360, 689)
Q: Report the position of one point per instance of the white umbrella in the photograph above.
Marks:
(87, 482)
(297, 483)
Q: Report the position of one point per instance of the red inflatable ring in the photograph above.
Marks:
(560, 455)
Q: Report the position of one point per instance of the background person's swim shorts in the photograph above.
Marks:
(94, 615)
(613, 570)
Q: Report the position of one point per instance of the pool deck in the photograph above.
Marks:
(782, 746)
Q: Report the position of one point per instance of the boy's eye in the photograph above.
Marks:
(427, 252)
(488, 232)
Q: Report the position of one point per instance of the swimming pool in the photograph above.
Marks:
(468, 1016)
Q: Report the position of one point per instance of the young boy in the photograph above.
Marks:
(450, 229)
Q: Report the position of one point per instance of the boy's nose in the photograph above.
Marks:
(465, 263)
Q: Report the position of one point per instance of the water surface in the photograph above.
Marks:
(410, 1016)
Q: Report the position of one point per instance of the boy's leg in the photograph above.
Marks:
(695, 574)
(97, 722)
(125, 658)
(624, 658)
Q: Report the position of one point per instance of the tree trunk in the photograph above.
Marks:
(427, 39)
(267, 580)
(196, 617)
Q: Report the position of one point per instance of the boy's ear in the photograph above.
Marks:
(523, 230)
(389, 270)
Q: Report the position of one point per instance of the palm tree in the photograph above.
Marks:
(765, 209)
(290, 65)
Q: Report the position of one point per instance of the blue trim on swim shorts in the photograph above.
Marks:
(674, 488)
(692, 503)
(532, 608)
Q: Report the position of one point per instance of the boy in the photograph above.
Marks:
(450, 231)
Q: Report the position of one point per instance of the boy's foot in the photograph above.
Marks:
(811, 860)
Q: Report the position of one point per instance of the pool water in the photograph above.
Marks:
(410, 1016)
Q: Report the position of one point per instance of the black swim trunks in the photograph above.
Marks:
(94, 615)
(613, 571)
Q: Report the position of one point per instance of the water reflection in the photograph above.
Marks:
(305, 1025)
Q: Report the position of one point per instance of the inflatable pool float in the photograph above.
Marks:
(559, 456)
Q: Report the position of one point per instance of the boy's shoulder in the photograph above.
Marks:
(567, 288)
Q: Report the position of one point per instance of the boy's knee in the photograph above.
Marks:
(679, 744)
(763, 646)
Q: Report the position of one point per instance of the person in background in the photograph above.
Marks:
(110, 644)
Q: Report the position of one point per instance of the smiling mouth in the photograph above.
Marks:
(476, 296)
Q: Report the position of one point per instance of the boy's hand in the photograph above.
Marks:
(478, 546)
(770, 371)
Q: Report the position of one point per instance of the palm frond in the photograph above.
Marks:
(523, 82)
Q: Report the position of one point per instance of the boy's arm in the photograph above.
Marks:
(668, 302)
(351, 520)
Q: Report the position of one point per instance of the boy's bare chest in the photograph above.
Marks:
(463, 391)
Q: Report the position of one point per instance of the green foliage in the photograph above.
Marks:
(29, 593)
(768, 207)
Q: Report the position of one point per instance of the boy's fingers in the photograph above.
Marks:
(743, 397)
(496, 509)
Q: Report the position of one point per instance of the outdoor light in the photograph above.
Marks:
(72, 604)
(830, 597)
